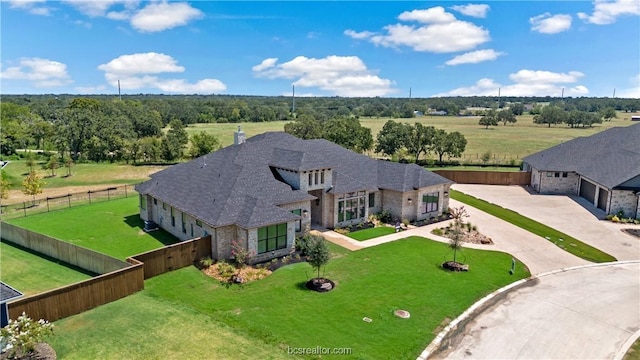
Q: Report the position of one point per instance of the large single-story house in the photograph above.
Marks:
(265, 191)
(603, 168)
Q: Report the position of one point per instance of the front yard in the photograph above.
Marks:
(278, 311)
(371, 233)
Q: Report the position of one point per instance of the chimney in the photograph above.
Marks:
(238, 136)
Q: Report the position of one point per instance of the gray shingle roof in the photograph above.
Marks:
(235, 185)
(610, 157)
(7, 293)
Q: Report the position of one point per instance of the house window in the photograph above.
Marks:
(372, 200)
(556, 174)
(184, 223)
(315, 175)
(549, 174)
(164, 206)
(272, 238)
(322, 177)
(173, 218)
(191, 230)
(564, 174)
(351, 206)
(430, 202)
(310, 178)
(299, 221)
(143, 202)
(198, 222)
(155, 201)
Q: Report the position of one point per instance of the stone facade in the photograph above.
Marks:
(305, 210)
(253, 245)
(398, 204)
(626, 201)
(554, 182)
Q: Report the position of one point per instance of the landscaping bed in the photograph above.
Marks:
(468, 234)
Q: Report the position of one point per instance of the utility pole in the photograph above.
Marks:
(119, 94)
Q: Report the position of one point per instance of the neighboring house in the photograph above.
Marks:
(603, 168)
(635, 117)
(7, 293)
(438, 113)
(265, 191)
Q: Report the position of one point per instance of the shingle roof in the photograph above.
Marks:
(610, 157)
(7, 293)
(236, 185)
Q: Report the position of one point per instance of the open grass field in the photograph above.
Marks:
(371, 233)
(31, 274)
(562, 240)
(111, 227)
(281, 312)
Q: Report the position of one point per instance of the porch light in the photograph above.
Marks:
(446, 193)
(410, 201)
(305, 212)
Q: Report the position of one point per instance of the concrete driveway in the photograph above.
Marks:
(564, 213)
(585, 313)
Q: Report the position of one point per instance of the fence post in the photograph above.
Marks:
(125, 190)
(69, 198)
(24, 207)
(108, 197)
(89, 192)
(47, 204)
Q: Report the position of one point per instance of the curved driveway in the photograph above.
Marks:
(585, 313)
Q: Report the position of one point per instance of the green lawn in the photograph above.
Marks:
(111, 227)
(31, 273)
(634, 351)
(371, 233)
(578, 248)
(142, 326)
(183, 313)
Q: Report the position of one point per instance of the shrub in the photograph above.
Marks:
(615, 219)
(205, 262)
(468, 226)
(240, 254)
(23, 334)
(405, 222)
(343, 231)
(609, 217)
(225, 269)
(438, 232)
(385, 216)
(620, 214)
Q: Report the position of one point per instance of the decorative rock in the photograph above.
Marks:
(455, 266)
(366, 319)
(403, 314)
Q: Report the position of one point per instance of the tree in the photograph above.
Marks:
(174, 141)
(30, 160)
(517, 109)
(458, 214)
(505, 116)
(608, 113)
(551, 115)
(53, 164)
(32, 185)
(68, 162)
(202, 144)
(348, 133)
(305, 127)
(489, 119)
(391, 138)
(419, 139)
(452, 144)
(5, 185)
(318, 253)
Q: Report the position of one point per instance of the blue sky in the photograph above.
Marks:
(358, 48)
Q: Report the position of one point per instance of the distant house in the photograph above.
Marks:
(265, 191)
(438, 113)
(635, 117)
(603, 168)
(7, 293)
(418, 113)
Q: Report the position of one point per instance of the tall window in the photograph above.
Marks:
(299, 221)
(184, 223)
(173, 218)
(272, 238)
(310, 178)
(351, 206)
(143, 201)
(322, 177)
(315, 175)
(372, 200)
(430, 202)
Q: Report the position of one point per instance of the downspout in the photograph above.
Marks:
(609, 205)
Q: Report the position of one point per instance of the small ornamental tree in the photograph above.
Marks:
(32, 185)
(68, 162)
(5, 185)
(23, 334)
(240, 254)
(458, 214)
(53, 164)
(317, 253)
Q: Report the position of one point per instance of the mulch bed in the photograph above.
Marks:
(320, 285)
(632, 232)
(42, 351)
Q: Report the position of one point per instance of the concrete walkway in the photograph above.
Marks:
(538, 254)
(564, 213)
(552, 318)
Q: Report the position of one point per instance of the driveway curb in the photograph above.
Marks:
(442, 340)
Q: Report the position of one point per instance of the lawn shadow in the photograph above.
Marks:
(134, 221)
(49, 258)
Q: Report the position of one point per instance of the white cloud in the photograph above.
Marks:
(473, 10)
(525, 83)
(90, 89)
(340, 75)
(99, 8)
(550, 24)
(607, 12)
(632, 92)
(140, 71)
(359, 35)
(32, 6)
(475, 57)
(162, 16)
(42, 72)
(440, 32)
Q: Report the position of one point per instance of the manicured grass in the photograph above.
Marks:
(578, 248)
(142, 326)
(372, 283)
(634, 351)
(32, 273)
(371, 233)
(111, 227)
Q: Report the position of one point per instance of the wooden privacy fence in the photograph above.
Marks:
(174, 256)
(118, 278)
(486, 177)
